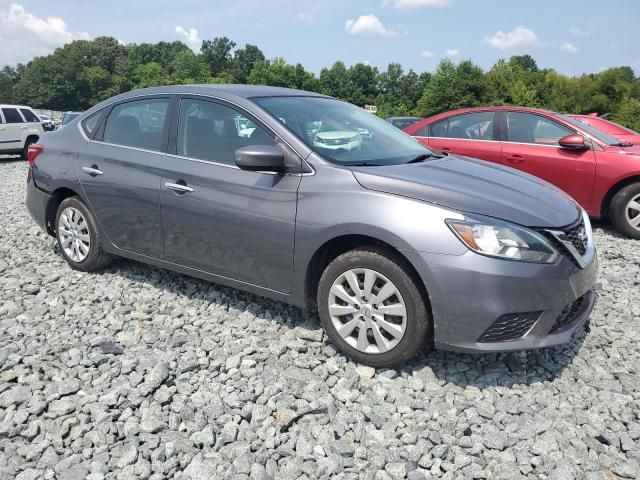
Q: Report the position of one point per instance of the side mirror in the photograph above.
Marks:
(573, 142)
(260, 158)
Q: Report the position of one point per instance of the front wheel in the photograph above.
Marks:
(77, 237)
(625, 211)
(371, 307)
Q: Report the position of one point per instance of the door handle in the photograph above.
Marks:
(178, 187)
(23, 127)
(445, 149)
(92, 170)
(515, 159)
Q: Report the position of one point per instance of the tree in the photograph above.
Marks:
(217, 54)
(334, 81)
(244, 59)
(149, 75)
(443, 91)
(188, 68)
(628, 114)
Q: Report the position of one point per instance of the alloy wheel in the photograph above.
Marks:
(73, 231)
(367, 310)
(632, 212)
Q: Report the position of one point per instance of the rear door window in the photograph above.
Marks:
(11, 115)
(139, 124)
(91, 123)
(29, 116)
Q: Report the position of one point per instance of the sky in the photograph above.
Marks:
(571, 36)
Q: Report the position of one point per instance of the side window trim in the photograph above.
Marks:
(99, 136)
(549, 119)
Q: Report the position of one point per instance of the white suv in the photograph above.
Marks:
(19, 128)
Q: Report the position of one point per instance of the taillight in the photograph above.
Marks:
(35, 149)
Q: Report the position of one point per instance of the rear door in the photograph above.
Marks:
(217, 218)
(470, 134)
(531, 145)
(12, 134)
(120, 172)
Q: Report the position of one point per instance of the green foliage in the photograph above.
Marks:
(83, 73)
(628, 113)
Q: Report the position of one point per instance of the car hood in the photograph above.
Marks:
(475, 186)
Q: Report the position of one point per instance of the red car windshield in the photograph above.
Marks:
(603, 137)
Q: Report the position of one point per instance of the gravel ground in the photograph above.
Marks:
(138, 372)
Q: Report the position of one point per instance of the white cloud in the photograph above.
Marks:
(305, 18)
(583, 31)
(24, 35)
(454, 52)
(520, 37)
(190, 37)
(569, 48)
(417, 3)
(426, 54)
(368, 25)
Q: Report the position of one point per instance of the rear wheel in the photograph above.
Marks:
(25, 151)
(78, 237)
(625, 211)
(371, 307)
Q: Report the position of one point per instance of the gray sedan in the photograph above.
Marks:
(399, 247)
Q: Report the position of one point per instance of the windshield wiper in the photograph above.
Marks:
(364, 164)
(425, 156)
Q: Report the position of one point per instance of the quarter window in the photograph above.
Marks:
(530, 128)
(211, 131)
(29, 115)
(137, 124)
(11, 115)
(91, 123)
(470, 126)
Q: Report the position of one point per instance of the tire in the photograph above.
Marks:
(89, 256)
(623, 215)
(390, 271)
(24, 155)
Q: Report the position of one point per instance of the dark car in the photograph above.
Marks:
(68, 116)
(398, 246)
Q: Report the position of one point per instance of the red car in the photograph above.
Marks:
(624, 134)
(601, 173)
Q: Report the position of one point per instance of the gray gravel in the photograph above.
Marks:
(138, 372)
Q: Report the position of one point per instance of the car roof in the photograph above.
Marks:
(4, 105)
(231, 92)
(460, 111)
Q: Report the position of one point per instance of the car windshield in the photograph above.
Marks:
(603, 137)
(343, 133)
(68, 117)
(405, 122)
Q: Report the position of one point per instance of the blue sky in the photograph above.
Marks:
(569, 35)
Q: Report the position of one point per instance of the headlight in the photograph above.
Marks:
(496, 238)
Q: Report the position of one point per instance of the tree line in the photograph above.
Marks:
(85, 72)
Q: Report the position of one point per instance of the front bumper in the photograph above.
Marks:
(483, 304)
(37, 203)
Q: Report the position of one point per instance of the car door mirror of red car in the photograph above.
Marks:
(573, 142)
(260, 158)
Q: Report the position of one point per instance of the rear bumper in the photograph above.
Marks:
(37, 203)
(482, 304)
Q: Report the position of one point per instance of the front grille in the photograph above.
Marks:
(572, 241)
(578, 237)
(568, 315)
(509, 327)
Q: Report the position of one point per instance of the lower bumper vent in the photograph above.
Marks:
(568, 315)
(510, 327)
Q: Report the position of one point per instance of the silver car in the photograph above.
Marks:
(400, 248)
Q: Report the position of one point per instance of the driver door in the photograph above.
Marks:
(532, 146)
